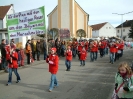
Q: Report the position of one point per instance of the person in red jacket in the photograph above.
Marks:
(53, 60)
(68, 55)
(112, 47)
(121, 47)
(13, 65)
(83, 55)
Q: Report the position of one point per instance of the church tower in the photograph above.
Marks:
(65, 14)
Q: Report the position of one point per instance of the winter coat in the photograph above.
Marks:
(79, 48)
(28, 48)
(22, 54)
(83, 55)
(38, 46)
(53, 60)
(68, 55)
(119, 81)
(3, 51)
(14, 58)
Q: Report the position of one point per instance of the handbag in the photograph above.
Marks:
(114, 95)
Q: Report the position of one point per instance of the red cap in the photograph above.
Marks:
(54, 49)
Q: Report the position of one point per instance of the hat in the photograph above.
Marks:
(53, 49)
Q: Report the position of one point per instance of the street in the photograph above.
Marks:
(93, 81)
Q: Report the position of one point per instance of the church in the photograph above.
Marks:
(69, 15)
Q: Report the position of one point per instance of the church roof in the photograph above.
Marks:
(98, 26)
(57, 6)
(4, 10)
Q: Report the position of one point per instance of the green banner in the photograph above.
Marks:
(31, 22)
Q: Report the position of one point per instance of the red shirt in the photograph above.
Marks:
(14, 60)
(68, 55)
(53, 63)
(83, 55)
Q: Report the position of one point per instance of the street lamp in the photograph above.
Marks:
(122, 21)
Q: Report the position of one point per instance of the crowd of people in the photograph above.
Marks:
(13, 57)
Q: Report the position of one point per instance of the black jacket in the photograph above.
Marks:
(3, 51)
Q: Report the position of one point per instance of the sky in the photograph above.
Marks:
(99, 11)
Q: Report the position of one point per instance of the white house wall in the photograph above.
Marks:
(95, 33)
(1, 24)
(107, 31)
(124, 33)
(55, 19)
(80, 19)
(65, 15)
(10, 11)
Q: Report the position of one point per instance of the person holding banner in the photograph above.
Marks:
(13, 65)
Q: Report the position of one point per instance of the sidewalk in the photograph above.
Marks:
(32, 64)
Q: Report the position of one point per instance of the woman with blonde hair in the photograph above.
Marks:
(124, 81)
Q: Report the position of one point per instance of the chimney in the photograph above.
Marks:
(12, 5)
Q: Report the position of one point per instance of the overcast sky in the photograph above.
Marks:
(99, 10)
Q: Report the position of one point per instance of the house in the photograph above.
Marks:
(68, 14)
(103, 30)
(126, 27)
(4, 10)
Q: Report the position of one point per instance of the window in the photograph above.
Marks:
(117, 31)
(109, 27)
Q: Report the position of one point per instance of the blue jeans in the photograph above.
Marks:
(95, 55)
(74, 52)
(38, 55)
(92, 56)
(45, 55)
(53, 82)
(10, 74)
(112, 57)
(82, 62)
(4, 64)
(68, 64)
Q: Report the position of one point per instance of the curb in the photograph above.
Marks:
(26, 66)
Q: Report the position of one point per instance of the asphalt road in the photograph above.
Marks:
(93, 81)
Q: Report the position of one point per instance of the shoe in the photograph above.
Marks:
(80, 65)
(68, 69)
(18, 81)
(8, 84)
(84, 65)
(50, 90)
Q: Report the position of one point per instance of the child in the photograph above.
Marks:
(68, 55)
(124, 82)
(53, 60)
(83, 55)
(22, 56)
(13, 65)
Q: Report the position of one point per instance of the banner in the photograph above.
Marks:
(26, 23)
(64, 34)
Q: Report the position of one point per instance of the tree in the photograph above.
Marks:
(54, 32)
(81, 33)
(130, 34)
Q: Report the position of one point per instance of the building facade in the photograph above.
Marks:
(68, 14)
(103, 30)
(123, 31)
